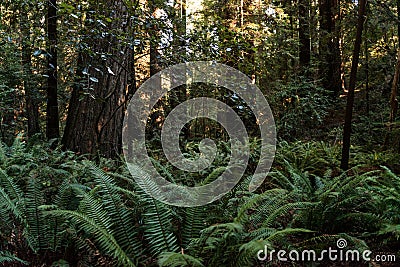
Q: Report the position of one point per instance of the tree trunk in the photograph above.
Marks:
(154, 40)
(178, 95)
(394, 105)
(398, 21)
(52, 130)
(31, 95)
(344, 165)
(96, 108)
(329, 50)
(393, 96)
(304, 34)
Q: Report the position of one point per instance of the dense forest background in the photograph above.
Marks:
(68, 69)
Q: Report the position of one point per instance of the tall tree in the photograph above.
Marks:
(304, 33)
(154, 35)
(394, 104)
(329, 51)
(52, 130)
(31, 96)
(98, 102)
(344, 165)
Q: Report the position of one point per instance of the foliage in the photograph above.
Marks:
(103, 217)
(62, 208)
(300, 108)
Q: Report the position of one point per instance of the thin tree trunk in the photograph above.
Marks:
(367, 77)
(366, 54)
(304, 33)
(398, 21)
(52, 130)
(32, 105)
(344, 165)
(154, 41)
(336, 63)
(393, 96)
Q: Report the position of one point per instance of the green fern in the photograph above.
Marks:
(173, 259)
(7, 257)
(37, 231)
(121, 216)
(158, 228)
(102, 235)
(192, 224)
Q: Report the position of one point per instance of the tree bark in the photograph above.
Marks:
(393, 96)
(154, 40)
(97, 106)
(31, 95)
(304, 34)
(329, 50)
(344, 165)
(394, 104)
(52, 130)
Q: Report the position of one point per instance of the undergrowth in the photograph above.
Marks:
(60, 209)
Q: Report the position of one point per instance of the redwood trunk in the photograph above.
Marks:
(52, 130)
(97, 104)
(329, 51)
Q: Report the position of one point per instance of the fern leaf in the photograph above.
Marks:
(172, 259)
(7, 257)
(102, 236)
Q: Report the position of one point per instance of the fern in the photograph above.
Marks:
(103, 216)
(390, 229)
(102, 235)
(173, 259)
(248, 251)
(38, 228)
(10, 186)
(7, 257)
(158, 228)
(193, 223)
(266, 199)
(122, 217)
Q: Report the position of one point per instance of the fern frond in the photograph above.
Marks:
(209, 234)
(122, 218)
(16, 208)
(390, 229)
(280, 235)
(101, 234)
(158, 229)
(255, 200)
(261, 233)
(37, 229)
(193, 224)
(213, 175)
(7, 257)
(284, 210)
(173, 259)
(248, 251)
(10, 186)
